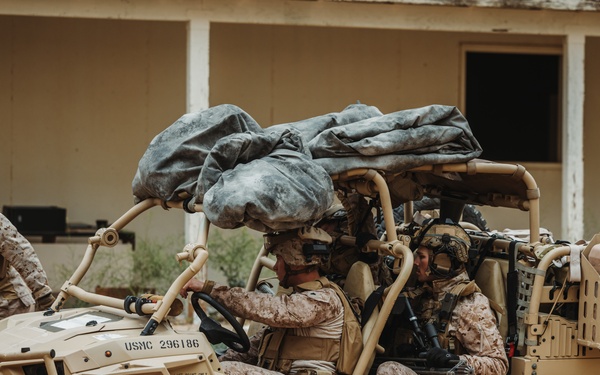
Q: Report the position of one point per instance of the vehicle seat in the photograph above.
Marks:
(359, 284)
(491, 279)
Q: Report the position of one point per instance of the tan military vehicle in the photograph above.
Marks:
(546, 292)
(133, 336)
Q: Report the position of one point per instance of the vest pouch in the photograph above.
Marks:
(349, 350)
(269, 348)
(309, 348)
(284, 365)
(351, 343)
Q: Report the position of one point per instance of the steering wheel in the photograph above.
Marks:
(214, 332)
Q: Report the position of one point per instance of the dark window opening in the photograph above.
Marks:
(512, 105)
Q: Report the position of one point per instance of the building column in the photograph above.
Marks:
(572, 137)
(198, 38)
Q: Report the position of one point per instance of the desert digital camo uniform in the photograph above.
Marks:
(315, 313)
(473, 324)
(24, 274)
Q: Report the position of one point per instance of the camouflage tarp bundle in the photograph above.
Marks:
(278, 178)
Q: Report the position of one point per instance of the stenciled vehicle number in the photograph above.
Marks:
(163, 344)
(179, 343)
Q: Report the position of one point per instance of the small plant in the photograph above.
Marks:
(154, 266)
(150, 268)
(233, 254)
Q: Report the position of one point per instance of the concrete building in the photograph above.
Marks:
(85, 86)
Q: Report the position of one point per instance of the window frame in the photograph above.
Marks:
(524, 49)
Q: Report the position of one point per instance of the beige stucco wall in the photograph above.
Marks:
(283, 73)
(80, 101)
(286, 73)
(82, 98)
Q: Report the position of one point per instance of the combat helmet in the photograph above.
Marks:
(450, 244)
(305, 246)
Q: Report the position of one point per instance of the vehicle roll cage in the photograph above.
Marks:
(504, 185)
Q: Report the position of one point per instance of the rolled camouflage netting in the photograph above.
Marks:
(277, 178)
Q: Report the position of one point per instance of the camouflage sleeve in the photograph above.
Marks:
(297, 310)
(251, 356)
(474, 325)
(20, 254)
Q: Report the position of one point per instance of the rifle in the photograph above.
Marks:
(424, 340)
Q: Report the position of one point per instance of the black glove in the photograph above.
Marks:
(437, 357)
(44, 302)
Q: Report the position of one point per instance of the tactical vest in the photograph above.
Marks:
(448, 304)
(279, 348)
(440, 313)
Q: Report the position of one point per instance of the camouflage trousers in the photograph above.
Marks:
(394, 368)
(10, 307)
(241, 368)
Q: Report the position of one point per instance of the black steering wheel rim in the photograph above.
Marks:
(213, 331)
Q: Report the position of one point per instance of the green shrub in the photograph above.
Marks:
(233, 253)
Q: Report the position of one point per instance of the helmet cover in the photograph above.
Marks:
(292, 245)
(449, 242)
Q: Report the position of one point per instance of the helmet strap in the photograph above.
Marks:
(290, 272)
(433, 267)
